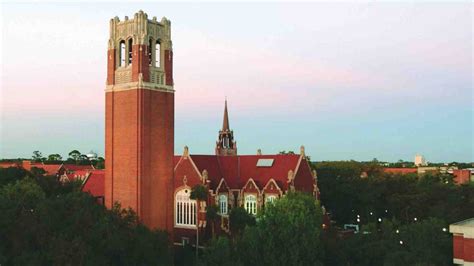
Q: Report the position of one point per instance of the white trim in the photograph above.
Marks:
(251, 180)
(139, 85)
(188, 210)
(276, 185)
(220, 184)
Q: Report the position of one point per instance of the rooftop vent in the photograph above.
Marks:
(265, 162)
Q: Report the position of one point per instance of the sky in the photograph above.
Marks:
(346, 80)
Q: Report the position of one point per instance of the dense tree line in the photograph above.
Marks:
(419, 208)
(43, 222)
(74, 157)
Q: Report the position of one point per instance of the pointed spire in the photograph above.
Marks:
(225, 124)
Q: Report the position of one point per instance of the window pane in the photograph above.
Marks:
(157, 54)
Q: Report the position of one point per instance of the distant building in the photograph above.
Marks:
(400, 170)
(420, 160)
(427, 169)
(463, 242)
(463, 176)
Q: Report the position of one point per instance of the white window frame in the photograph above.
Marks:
(270, 198)
(250, 204)
(223, 203)
(185, 209)
(122, 53)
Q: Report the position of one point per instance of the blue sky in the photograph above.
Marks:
(347, 80)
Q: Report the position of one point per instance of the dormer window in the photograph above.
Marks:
(270, 198)
(223, 204)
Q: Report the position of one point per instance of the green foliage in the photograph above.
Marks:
(99, 163)
(12, 174)
(74, 155)
(404, 197)
(420, 243)
(286, 233)
(219, 253)
(37, 156)
(46, 223)
(239, 218)
(55, 157)
(433, 199)
(198, 192)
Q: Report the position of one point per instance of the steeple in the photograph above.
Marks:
(225, 144)
(225, 124)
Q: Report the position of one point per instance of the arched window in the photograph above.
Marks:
(122, 54)
(251, 204)
(150, 53)
(130, 52)
(270, 198)
(157, 53)
(223, 204)
(185, 209)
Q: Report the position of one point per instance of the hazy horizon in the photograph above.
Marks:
(346, 80)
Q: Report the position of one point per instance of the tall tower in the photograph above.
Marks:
(139, 119)
(225, 144)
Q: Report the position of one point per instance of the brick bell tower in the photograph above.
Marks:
(139, 119)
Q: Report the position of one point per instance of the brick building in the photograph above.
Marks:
(463, 242)
(141, 169)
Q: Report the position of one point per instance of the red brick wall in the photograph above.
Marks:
(463, 248)
(469, 249)
(111, 66)
(458, 247)
(139, 154)
(462, 176)
(140, 62)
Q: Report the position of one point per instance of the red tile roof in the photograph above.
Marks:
(51, 169)
(9, 164)
(74, 167)
(237, 170)
(94, 184)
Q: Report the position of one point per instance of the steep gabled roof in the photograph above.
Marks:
(237, 170)
(74, 167)
(95, 183)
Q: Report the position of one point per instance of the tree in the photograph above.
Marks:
(37, 156)
(99, 163)
(287, 233)
(212, 216)
(75, 155)
(239, 218)
(12, 174)
(67, 227)
(54, 157)
(198, 192)
(219, 253)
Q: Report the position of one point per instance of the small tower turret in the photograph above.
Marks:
(225, 144)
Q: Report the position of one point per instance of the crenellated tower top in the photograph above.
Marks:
(140, 54)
